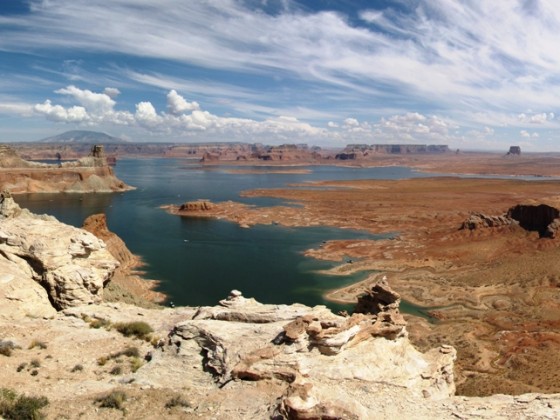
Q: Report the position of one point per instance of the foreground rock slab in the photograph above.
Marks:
(47, 265)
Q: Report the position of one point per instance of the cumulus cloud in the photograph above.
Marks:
(180, 118)
(97, 103)
(57, 113)
(527, 135)
(176, 104)
(111, 92)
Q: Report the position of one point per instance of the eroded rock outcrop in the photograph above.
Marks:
(543, 218)
(319, 356)
(481, 220)
(66, 266)
(196, 206)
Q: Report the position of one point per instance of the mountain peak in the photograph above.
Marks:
(82, 136)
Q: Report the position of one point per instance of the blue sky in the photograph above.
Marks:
(472, 74)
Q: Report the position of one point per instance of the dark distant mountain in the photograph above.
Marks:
(83, 137)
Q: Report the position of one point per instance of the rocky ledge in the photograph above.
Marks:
(87, 174)
(47, 265)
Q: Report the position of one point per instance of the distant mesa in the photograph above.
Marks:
(360, 151)
(514, 150)
(83, 137)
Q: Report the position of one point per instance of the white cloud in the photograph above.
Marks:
(540, 118)
(527, 135)
(182, 117)
(111, 92)
(97, 103)
(176, 104)
(57, 113)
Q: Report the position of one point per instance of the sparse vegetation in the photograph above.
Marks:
(115, 399)
(37, 343)
(139, 329)
(36, 363)
(177, 401)
(7, 347)
(21, 366)
(135, 364)
(100, 323)
(117, 370)
(129, 352)
(20, 407)
(77, 368)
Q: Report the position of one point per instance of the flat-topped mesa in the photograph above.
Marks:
(364, 151)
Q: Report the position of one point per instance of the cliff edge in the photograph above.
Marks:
(88, 174)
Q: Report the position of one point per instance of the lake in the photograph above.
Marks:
(198, 261)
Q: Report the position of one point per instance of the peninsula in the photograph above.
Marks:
(87, 174)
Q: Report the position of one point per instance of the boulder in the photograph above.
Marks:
(70, 264)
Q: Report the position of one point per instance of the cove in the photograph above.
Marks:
(200, 260)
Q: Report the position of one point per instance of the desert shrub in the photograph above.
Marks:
(117, 370)
(128, 352)
(21, 366)
(6, 348)
(100, 323)
(77, 368)
(138, 329)
(36, 363)
(37, 343)
(115, 399)
(177, 401)
(34, 372)
(21, 407)
(102, 361)
(135, 364)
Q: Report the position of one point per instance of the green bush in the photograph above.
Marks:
(115, 399)
(138, 329)
(21, 407)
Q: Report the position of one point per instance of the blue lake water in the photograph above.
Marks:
(198, 261)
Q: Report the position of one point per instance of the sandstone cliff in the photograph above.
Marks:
(56, 265)
(88, 174)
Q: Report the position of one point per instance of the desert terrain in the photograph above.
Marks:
(491, 290)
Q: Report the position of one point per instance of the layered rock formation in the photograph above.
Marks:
(537, 217)
(87, 174)
(59, 265)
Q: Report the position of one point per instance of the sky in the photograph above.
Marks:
(471, 74)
